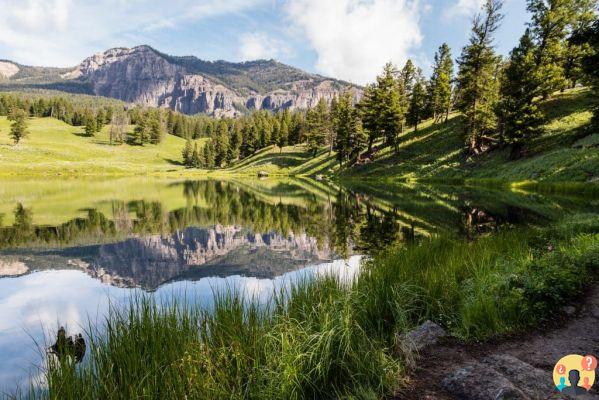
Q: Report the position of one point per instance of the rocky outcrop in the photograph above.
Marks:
(141, 75)
(8, 69)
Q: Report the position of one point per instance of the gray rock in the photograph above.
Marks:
(427, 334)
(534, 382)
(476, 381)
(569, 310)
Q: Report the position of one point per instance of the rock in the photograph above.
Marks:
(477, 381)
(425, 335)
(569, 310)
(530, 380)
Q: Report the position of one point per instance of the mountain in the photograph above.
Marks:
(145, 76)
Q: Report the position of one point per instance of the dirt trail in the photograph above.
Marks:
(505, 370)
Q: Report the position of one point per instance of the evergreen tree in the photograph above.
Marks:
(440, 84)
(18, 127)
(417, 107)
(382, 110)
(283, 135)
(577, 51)
(196, 159)
(209, 155)
(477, 76)
(349, 137)
(590, 62)
(519, 115)
(156, 129)
(236, 142)
(91, 126)
(318, 126)
(221, 144)
(549, 23)
(187, 153)
(141, 133)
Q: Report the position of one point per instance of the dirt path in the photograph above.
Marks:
(512, 369)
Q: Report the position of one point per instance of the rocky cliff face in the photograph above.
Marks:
(144, 76)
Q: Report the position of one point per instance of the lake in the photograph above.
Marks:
(69, 249)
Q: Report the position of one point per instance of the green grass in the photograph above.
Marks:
(565, 150)
(55, 148)
(289, 160)
(330, 339)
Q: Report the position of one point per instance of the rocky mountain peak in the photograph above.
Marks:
(145, 76)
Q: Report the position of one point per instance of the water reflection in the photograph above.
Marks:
(66, 252)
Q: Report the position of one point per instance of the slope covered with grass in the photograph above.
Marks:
(55, 148)
(565, 151)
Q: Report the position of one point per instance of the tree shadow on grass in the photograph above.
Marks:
(174, 162)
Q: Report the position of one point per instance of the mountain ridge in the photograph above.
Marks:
(145, 76)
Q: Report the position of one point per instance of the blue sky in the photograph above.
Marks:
(346, 39)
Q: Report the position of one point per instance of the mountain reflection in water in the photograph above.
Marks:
(190, 254)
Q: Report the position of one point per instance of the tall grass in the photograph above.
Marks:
(327, 338)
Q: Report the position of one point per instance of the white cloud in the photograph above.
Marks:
(353, 39)
(463, 8)
(62, 32)
(258, 45)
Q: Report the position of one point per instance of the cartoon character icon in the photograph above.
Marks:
(574, 389)
(562, 383)
(574, 375)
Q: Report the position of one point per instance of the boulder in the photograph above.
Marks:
(427, 334)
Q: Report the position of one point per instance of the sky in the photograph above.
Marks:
(344, 39)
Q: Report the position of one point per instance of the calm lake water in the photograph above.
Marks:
(71, 248)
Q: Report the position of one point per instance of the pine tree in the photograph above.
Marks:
(577, 51)
(590, 62)
(221, 144)
(440, 84)
(236, 142)
(417, 107)
(141, 133)
(156, 129)
(318, 126)
(91, 126)
(382, 110)
(519, 115)
(392, 113)
(549, 23)
(18, 127)
(209, 155)
(187, 153)
(349, 137)
(477, 76)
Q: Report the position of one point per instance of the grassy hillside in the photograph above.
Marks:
(565, 151)
(55, 148)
